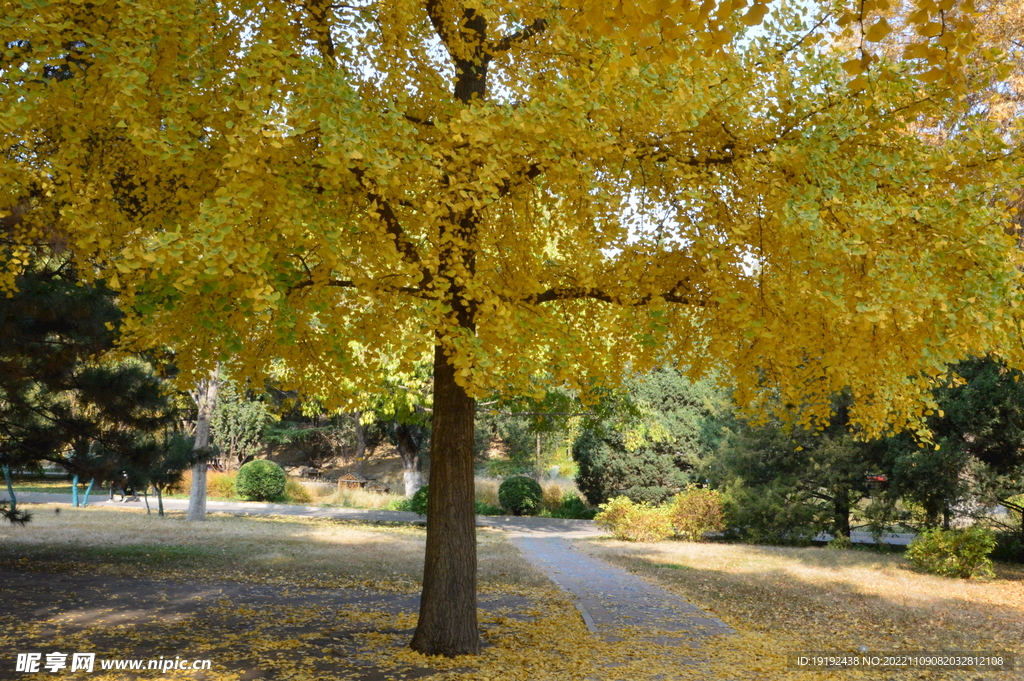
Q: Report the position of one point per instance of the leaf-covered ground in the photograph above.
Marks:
(785, 600)
(304, 599)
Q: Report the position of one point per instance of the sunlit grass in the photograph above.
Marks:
(817, 599)
(49, 487)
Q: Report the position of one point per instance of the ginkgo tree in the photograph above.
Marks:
(525, 189)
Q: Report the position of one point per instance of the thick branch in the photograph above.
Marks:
(506, 43)
(318, 10)
(433, 8)
(342, 283)
(405, 247)
(531, 173)
(581, 293)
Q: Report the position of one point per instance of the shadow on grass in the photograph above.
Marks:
(255, 631)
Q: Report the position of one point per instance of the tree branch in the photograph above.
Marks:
(506, 43)
(343, 283)
(581, 293)
(405, 247)
(318, 10)
(433, 8)
(506, 186)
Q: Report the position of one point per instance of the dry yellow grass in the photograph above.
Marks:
(128, 542)
(555, 490)
(814, 599)
(487, 491)
(218, 485)
(348, 497)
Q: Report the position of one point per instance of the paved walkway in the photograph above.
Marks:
(607, 597)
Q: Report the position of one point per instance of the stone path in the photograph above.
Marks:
(608, 597)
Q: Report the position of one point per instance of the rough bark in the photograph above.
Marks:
(409, 450)
(447, 622)
(205, 397)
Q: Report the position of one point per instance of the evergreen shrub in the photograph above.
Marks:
(520, 495)
(260, 480)
(572, 507)
(418, 503)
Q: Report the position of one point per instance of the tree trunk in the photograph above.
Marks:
(88, 488)
(159, 501)
(409, 450)
(447, 622)
(10, 489)
(538, 476)
(357, 417)
(205, 398)
(74, 490)
(841, 512)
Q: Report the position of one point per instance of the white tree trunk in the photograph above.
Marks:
(413, 482)
(205, 397)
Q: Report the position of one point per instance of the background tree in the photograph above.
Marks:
(238, 427)
(171, 455)
(977, 461)
(61, 400)
(205, 398)
(786, 485)
(524, 189)
(648, 452)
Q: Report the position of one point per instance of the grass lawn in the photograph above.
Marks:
(786, 600)
(50, 487)
(314, 599)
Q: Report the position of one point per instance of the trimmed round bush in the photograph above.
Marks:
(260, 480)
(520, 495)
(418, 503)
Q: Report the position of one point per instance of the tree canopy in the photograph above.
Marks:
(523, 188)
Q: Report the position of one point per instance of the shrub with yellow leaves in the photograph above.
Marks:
(697, 511)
